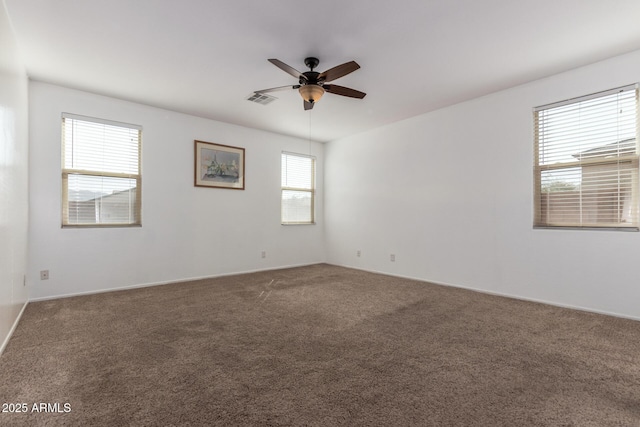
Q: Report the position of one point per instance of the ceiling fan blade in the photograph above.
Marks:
(274, 89)
(308, 105)
(288, 69)
(344, 91)
(338, 71)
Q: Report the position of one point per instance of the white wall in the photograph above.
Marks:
(188, 232)
(450, 194)
(13, 180)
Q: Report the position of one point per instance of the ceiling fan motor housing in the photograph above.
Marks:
(311, 78)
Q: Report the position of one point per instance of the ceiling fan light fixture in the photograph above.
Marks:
(311, 93)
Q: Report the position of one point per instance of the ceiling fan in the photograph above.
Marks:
(312, 85)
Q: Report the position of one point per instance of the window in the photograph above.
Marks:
(586, 161)
(100, 172)
(298, 188)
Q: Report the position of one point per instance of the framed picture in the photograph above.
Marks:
(220, 166)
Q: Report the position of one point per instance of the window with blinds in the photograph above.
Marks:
(298, 189)
(100, 172)
(586, 161)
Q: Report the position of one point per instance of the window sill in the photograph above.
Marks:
(549, 227)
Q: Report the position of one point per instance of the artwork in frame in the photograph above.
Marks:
(219, 166)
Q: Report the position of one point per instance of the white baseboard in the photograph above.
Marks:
(500, 294)
(189, 279)
(13, 328)
(146, 285)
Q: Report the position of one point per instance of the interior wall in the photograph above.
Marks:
(13, 179)
(450, 194)
(187, 231)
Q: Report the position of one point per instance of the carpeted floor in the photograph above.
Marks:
(318, 345)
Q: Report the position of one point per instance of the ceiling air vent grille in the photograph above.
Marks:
(261, 98)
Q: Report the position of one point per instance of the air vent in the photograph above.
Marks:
(261, 98)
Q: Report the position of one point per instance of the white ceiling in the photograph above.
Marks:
(204, 57)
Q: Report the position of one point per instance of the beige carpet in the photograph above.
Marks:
(318, 345)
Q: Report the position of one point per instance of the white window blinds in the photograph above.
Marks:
(100, 172)
(298, 189)
(586, 161)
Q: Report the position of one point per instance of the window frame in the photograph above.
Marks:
(312, 190)
(66, 172)
(539, 222)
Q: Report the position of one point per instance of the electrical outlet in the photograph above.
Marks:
(358, 253)
(263, 254)
(44, 275)
(393, 257)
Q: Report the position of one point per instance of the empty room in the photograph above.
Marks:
(343, 213)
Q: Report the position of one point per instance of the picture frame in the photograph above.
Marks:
(218, 166)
